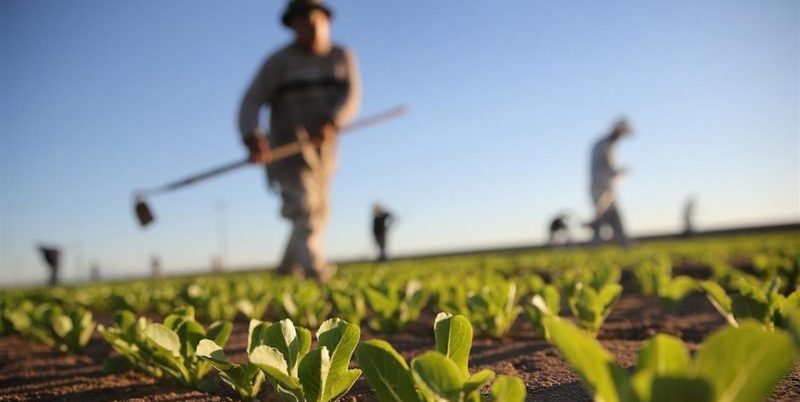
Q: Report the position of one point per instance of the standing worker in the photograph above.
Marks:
(688, 216)
(312, 88)
(605, 177)
(381, 220)
(52, 258)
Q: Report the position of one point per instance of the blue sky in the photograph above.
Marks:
(99, 98)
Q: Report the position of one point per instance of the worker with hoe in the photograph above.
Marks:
(312, 88)
(605, 177)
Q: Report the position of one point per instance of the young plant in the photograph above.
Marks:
(655, 278)
(548, 302)
(591, 307)
(392, 309)
(254, 309)
(435, 376)
(350, 305)
(126, 336)
(167, 348)
(246, 379)
(595, 277)
(300, 374)
(734, 364)
(49, 324)
(174, 344)
(763, 304)
(306, 304)
(494, 309)
(72, 330)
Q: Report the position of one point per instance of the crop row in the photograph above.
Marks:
(753, 284)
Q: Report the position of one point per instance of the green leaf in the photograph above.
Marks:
(508, 389)
(661, 356)
(608, 295)
(454, 339)
(603, 378)
(190, 333)
(283, 337)
(341, 339)
(272, 361)
(209, 350)
(386, 371)
(62, 325)
(437, 377)
(255, 334)
(164, 338)
(720, 300)
(681, 389)
(744, 363)
(313, 372)
(477, 380)
(124, 319)
(219, 332)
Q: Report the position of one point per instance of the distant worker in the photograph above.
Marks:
(312, 88)
(605, 178)
(559, 231)
(688, 216)
(52, 258)
(381, 220)
(155, 266)
(94, 273)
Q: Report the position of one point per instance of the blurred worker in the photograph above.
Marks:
(52, 258)
(559, 231)
(381, 220)
(312, 88)
(605, 177)
(688, 216)
(155, 266)
(94, 273)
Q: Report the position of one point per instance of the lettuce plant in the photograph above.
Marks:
(254, 309)
(494, 309)
(126, 336)
(48, 323)
(435, 376)
(655, 278)
(595, 277)
(547, 302)
(392, 309)
(303, 375)
(350, 305)
(733, 365)
(763, 304)
(167, 348)
(306, 304)
(591, 307)
(246, 379)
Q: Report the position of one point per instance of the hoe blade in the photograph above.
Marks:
(143, 213)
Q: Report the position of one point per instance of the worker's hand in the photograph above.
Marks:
(258, 147)
(327, 132)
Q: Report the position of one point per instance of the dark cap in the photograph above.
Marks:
(296, 7)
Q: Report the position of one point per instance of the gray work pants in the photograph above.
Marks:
(305, 195)
(611, 218)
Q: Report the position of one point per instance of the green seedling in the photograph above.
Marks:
(733, 365)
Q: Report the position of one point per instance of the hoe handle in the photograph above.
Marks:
(278, 153)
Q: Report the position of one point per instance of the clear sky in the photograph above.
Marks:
(98, 98)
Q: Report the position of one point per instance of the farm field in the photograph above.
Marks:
(622, 297)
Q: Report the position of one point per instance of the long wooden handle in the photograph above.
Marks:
(278, 153)
(294, 148)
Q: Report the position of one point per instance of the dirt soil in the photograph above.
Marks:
(33, 372)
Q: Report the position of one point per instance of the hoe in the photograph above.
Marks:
(145, 215)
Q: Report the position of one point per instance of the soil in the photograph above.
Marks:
(34, 372)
